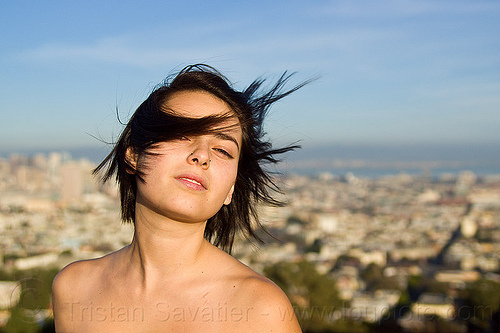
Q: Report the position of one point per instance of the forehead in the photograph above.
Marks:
(199, 104)
(196, 104)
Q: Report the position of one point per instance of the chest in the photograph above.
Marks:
(159, 317)
(190, 309)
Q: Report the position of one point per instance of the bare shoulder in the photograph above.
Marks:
(73, 285)
(76, 274)
(271, 308)
(263, 304)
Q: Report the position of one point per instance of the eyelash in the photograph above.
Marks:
(222, 151)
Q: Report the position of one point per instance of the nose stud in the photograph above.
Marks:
(209, 161)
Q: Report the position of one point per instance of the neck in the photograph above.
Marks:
(164, 248)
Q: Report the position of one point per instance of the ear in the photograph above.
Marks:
(229, 196)
(131, 158)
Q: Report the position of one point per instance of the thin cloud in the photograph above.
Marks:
(109, 50)
(401, 8)
(135, 51)
(144, 48)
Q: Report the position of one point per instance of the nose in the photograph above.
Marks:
(200, 156)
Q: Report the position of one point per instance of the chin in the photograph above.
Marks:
(189, 216)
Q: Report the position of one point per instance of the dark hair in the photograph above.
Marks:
(153, 123)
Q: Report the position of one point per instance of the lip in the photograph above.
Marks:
(192, 181)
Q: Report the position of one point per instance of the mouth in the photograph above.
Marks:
(192, 181)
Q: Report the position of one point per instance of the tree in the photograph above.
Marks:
(484, 300)
(28, 316)
(313, 295)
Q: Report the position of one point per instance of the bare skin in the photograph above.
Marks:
(206, 292)
(170, 279)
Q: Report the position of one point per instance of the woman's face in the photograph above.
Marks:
(191, 178)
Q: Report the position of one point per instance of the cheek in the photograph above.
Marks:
(232, 172)
(227, 175)
(155, 177)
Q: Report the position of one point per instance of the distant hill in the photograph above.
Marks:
(378, 160)
(482, 153)
(94, 154)
(341, 158)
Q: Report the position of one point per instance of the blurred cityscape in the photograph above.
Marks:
(398, 253)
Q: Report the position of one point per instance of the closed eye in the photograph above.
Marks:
(224, 152)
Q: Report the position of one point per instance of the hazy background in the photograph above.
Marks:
(413, 78)
(406, 87)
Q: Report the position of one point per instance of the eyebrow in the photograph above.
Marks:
(225, 136)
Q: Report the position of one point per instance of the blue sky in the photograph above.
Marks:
(395, 71)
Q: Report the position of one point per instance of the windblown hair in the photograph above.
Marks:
(153, 123)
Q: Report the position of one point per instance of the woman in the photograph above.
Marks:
(189, 169)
